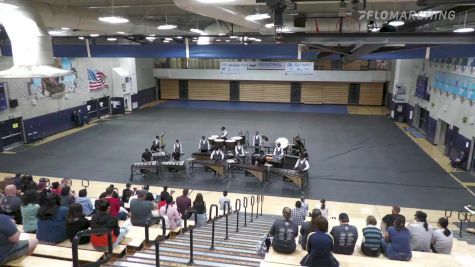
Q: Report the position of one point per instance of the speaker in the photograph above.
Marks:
(299, 21)
(13, 103)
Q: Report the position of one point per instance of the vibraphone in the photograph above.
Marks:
(298, 178)
(152, 166)
(260, 172)
(178, 166)
(160, 156)
(201, 155)
(218, 167)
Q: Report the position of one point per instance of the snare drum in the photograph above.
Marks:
(219, 143)
(230, 144)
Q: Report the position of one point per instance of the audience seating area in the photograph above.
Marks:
(239, 247)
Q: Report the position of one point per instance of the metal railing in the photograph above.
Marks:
(237, 209)
(187, 215)
(83, 233)
(463, 217)
(262, 203)
(257, 206)
(85, 183)
(226, 214)
(213, 220)
(253, 201)
(244, 204)
(151, 221)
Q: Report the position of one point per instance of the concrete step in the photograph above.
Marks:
(207, 252)
(218, 242)
(205, 246)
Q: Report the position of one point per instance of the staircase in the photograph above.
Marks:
(238, 250)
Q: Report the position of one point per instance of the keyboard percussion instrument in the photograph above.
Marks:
(217, 166)
(178, 166)
(143, 168)
(201, 155)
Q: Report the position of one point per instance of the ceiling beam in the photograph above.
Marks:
(362, 51)
(380, 38)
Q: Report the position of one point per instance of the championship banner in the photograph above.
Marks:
(293, 68)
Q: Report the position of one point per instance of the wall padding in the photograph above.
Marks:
(169, 89)
(371, 93)
(208, 90)
(264, 91)
(324, 93)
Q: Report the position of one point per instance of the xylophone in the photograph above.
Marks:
(218, 167)
(260, 172)
(201, 155)
(175, 165)
(161, 156)
(135, 168)
(298, 178)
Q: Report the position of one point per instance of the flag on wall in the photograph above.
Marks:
(97, 80)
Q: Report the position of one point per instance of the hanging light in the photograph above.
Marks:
(257, 16)
(464, 28)
(166, 26)
(113, 19)
(94, 35)
(111, 39)
(197, 31)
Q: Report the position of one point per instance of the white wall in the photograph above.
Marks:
(144, 70)
(33, 106)
(440, 106)
(273, 75)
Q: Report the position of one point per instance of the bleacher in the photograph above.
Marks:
(239, 249)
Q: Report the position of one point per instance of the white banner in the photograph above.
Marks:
(295, 68)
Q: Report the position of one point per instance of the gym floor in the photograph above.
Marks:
(353, 158)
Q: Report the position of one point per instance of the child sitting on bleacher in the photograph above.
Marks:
(371, 245)
(76, 222)
(103, 219)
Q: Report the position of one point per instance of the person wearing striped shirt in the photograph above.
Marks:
(371, 245)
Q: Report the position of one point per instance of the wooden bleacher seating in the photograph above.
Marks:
(29, 261)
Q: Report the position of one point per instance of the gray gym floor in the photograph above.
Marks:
(353, 158)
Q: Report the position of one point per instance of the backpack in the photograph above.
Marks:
(263, 245)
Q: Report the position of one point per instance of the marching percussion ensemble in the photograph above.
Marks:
(222, 154)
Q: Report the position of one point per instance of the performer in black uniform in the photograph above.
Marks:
(298, 146)
(203, 146)
(155, 147)
(177, 150)
(146, 155)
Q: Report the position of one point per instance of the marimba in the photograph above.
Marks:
(151, 166)
(260, 172)
(201, 155)
(218, 167)
(298, 178)
(175, 165)
(160, 156)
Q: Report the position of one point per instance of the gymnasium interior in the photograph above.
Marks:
(362, 105)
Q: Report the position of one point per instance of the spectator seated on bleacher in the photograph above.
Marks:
(76, 222)
(141, 209)
(298, 214)
(345, 236)
(67, 198)
(443, 238)
(126, 194)
(183, 202)
(114, 203)
(307, 228)
(51, 220)
(10, 204)
(56, 188)
(164, 194)
(11, 247)
(29, 209)
(149, 196)
(102, 219)
(171, 212)
(320, 246)
(199, 206)
(388, 219)
(27, 183)
(421, 233)
(304, 205)
(223, 200)
(86, 203)
(371, 244)
(115, 194)
(284, 232)
(396, 244)
(324, 208)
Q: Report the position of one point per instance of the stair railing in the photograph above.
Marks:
(257, 206)
(462, 216)
(152, 221)
(190, 262)
(85, 183)
(262, 203)
(187, 215)
(237, 209)
(244, 204)
(213, 220)
(253, 201)
(447, 214)
(83, 233)
(226, 214)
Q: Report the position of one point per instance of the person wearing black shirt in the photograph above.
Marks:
(388, 220)
(76, 221)
(155, 147)
(148, 196)
(126, 193)
(146, 155)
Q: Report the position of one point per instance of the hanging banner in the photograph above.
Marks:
(296, 68)
(3, 96)
(456, 84)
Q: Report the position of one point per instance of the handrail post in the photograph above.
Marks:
(151, 221)
(85, 183)
(213, 220)
(237, 209)
(185, 219)
(190, 262)
(257, 206)
(448, 214)
(80, 234)
(462, 219)
(228, 204)
(253, 200)
(262, 203)
(244, 204)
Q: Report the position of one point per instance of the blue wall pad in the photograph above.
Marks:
(282, 107)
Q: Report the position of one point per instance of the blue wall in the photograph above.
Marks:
(49, 124)
(430, 129)
(144, 96)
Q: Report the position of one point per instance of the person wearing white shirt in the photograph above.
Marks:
(217, 155)
(443, 238)
(278, 150)
(224, 133)
(203, 145)
(302, 164)
(177, 150)
(239, 152)
(257, 141)
(223, 200)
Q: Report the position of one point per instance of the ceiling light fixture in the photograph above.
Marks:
(269, 25)
(81, 37)
(233, 37)
(111, 39)
(218, 40)
(7, 7)
(151, 38)
(65, 28)
(121, 32)
(113, 19)
(179, 37)
(257, 16)
(166, 41)
(396, 23)
(197, 31)
(94, 35)
(55, 32)
(464, 28)
(166, 26)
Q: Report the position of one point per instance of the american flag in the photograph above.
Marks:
(97, 80)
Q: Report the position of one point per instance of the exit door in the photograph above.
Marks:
(11, 132)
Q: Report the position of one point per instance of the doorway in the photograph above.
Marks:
(354, 94)
(11, 132)
(441, 134)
